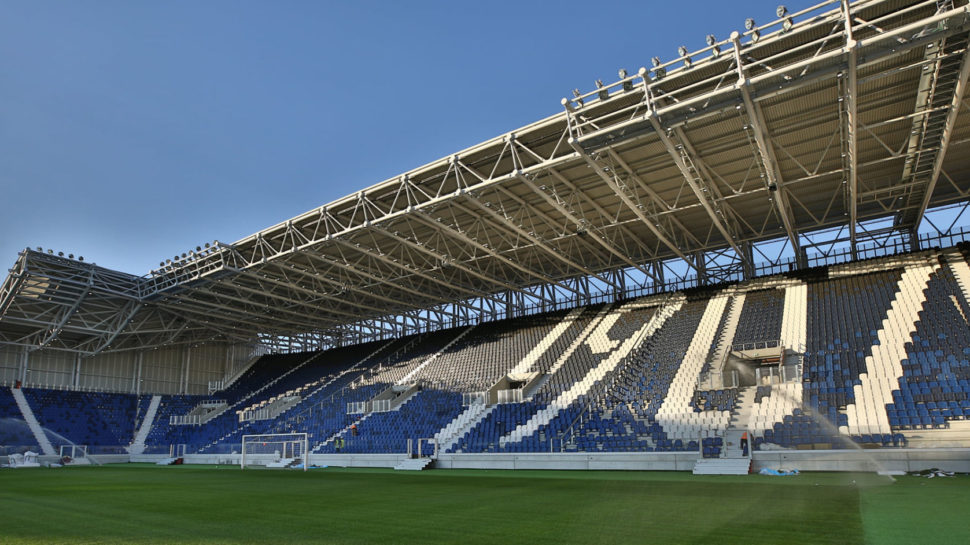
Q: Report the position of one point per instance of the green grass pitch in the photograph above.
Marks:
(208, 505)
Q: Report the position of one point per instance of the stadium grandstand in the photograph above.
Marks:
(748, 256)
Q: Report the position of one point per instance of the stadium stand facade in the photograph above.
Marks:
(584, 286)
(648, 375)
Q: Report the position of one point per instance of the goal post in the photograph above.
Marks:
(275, 450)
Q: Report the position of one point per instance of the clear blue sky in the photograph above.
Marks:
(131, 131)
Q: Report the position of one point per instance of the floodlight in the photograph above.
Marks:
(627, 84)
(682, 51)
(198, 248)
(655, 61)
(604, 93)
(755, 36)
(577, 94)
(781, 11)
(183, 256)
(50, 252)
(659, 73)
(787, 24)
(60, 254)
(206, 244)
(39, 249)
(81, 258)
(711, 40)
(70, 256)
(749, 24)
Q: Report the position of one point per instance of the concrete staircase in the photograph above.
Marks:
(722, 466)
(712, 379)
(413, 464)
(742, 415)
(138, 445)
(726, 335)
(32, 423)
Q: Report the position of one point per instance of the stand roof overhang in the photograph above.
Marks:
(766, 135)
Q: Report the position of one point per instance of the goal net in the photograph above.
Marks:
(275, 450)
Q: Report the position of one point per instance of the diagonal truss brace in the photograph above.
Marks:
(765, 150)
(611, 183)
(688, 166)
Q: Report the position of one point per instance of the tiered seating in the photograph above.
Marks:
(934, 386)
(551, 356)
(600, 393)
(263, 379)
(161, 435)
(676, 414)
(103, 421)
(13, 430)
(640, 387)
(388, 432)
(416, 352)
(505, 418)
(844, 315)
(610, 338)
(760, 317)
(487, 353)
(724, 399)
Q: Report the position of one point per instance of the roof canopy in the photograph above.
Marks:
(832, 116)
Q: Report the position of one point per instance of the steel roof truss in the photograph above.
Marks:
(629, 202)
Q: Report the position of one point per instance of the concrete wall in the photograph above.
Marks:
(172, 370)
(889, 459)
(949, 459)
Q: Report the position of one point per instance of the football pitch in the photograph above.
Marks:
(134, 503)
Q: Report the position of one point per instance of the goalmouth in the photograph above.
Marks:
(281, 450)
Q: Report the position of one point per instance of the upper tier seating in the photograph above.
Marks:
(760, 317)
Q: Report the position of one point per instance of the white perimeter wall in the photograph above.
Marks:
(888, 459)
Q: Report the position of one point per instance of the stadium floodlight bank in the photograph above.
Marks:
(278, 450)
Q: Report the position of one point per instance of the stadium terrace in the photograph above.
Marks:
(718, 263)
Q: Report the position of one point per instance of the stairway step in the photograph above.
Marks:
(413, 464)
